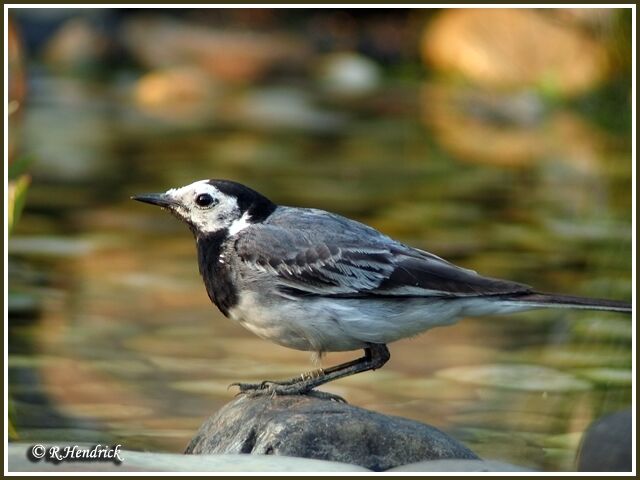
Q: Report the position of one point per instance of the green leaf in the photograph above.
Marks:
(19, 166)
(17, 197)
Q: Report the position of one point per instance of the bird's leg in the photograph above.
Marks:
(376, 355)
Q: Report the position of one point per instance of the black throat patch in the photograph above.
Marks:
(216, 275)
(216, 272)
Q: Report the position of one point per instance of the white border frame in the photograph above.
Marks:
(318, 6)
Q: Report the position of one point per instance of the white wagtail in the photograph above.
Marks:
(316, 281)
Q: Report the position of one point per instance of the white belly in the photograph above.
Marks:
(329, 325)
(301, 325)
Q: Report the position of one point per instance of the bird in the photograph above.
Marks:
(317, 281)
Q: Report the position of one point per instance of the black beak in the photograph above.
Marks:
(159, 199)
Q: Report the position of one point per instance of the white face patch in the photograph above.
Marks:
(223, 213)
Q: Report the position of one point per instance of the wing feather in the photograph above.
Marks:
(329, 255)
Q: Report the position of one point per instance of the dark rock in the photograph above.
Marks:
(607, 444)
(303, 426)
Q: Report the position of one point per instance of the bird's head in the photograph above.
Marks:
(210, 206)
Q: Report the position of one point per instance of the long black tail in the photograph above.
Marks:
(567, 301)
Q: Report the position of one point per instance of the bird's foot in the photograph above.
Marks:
(272, 389)
(263, 386)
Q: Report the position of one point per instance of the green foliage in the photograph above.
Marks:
(19, 166)
(17, 197)
(16, 200)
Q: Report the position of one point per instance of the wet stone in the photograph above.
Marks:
(303, 426)
(607, 444)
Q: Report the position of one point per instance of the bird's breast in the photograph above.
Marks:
(216, 272)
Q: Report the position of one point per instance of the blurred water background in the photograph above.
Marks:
(498, 139)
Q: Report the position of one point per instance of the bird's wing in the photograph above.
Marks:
(316, 253)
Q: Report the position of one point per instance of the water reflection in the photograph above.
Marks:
(125, 344)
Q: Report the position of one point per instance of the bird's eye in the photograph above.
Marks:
(204, 200)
